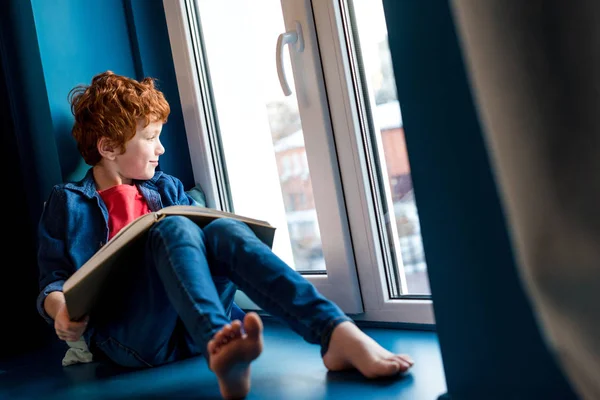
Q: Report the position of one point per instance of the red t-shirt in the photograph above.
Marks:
(124, 203)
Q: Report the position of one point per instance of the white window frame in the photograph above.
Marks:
(195, 122)
(332, 140)
(378, 306)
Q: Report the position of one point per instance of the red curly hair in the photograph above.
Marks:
(111, 106)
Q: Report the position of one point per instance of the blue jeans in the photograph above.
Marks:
(169, 306)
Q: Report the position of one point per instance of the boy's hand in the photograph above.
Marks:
(67, 330)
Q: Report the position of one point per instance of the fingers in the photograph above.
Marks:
(67, 325)
(67, 336)
(71, 331)
(77, 324)
(83, 320)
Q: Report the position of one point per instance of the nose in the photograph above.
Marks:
(160, 149)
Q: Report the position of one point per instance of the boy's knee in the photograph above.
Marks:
(173, 222)
(178, 226)
(225, 227)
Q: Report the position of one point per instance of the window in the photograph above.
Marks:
(373, 72)
(327, 164)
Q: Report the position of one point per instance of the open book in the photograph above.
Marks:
(84, 287)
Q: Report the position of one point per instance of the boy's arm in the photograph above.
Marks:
(67, 330)
(53, 302)
(53, 263)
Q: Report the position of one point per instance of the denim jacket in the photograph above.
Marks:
(74, 225)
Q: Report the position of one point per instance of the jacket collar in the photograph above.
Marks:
(87, 185)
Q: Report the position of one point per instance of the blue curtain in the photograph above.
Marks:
(535, 69)
(491, 343)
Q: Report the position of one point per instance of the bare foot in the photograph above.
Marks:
(231, 352)
(351, 348)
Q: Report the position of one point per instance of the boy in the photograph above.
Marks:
(176, 301)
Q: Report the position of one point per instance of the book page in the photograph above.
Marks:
(197, 210)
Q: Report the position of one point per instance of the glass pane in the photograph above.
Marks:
(388, 142)
(260, 128)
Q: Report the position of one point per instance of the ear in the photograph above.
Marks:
(106, 149)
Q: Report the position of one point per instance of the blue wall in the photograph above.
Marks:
(490, 343)
(46, 48)
(79, 39)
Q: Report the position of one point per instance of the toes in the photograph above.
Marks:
(212, 346)
(407, 359)
(221, 338)
(403, 364)
(398, 366)
(388, 367)
(225, 331)
(253, 325)
(385, 368)
(236, 329)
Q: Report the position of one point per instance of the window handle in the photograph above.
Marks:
(289, 37)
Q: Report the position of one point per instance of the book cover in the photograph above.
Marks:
(85, 286)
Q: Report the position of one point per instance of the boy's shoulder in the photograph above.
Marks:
(65, 194)
(85, 185)
(162, 179)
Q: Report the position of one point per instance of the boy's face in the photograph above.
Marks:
(140, 159)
